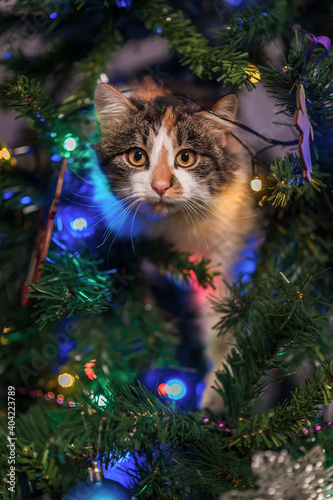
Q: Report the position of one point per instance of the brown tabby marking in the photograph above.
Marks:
(169, 121)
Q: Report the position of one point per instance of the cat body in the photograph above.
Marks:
(182, 177)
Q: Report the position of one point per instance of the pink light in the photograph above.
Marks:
(318, 427)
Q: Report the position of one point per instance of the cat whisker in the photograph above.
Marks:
(125, 213)
(119, 216)
(136, 211)
(216, 215)
(219, 230)
(81, 204)
(191, 209)
(112, 224)
(107, 212)
(82, 178)
(188, 215)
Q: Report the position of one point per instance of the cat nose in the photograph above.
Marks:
(161, 187)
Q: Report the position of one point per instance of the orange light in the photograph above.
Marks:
(161, 390)
(89, 369)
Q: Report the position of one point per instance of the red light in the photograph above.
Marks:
(161, 390)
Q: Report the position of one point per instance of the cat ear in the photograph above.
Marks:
(110, 105)
(226, 107)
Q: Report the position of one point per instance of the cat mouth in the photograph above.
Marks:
(161, 207)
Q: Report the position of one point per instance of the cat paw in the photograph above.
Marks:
(210, 398)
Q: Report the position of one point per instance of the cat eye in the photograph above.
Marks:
(186, 158)
(137, 157)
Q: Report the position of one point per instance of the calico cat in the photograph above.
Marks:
(184, 176)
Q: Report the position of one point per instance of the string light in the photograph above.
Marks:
(5, 154)
(253, 72)
(79, 224)
(66, 380)
(175, 389)
(25, 200)
(101, 400)
(256, 184)
(70, 144)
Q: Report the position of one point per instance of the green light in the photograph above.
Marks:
(70, 144)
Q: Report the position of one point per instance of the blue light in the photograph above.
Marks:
(8, 195)
(8, 56)
(79, 224)
(53, 15)
(59, 223)
(159, 31)
(56, 158)
(25, 200)
(123, 3)
(70, 144)
(124, 470)
(265, 14)
(234, 3)
(245, 266)
(175, 389)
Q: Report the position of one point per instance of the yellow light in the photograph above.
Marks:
(254, 73)
(5, 154)
(66, 380)
(256, 184)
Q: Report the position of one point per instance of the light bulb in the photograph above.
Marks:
(256, 184)
(70, 144)
(65, 380)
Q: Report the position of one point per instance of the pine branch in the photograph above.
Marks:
(278, 327)
(313, 73)
(253, 25)
(229, 65)
(183, 448)
(288, 179)
(273, 428)
(181, 265)
(29, 99)
(93, 65)
(73, 287)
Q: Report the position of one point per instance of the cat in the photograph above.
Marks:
(186, 179)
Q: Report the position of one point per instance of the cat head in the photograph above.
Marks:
(163, 152)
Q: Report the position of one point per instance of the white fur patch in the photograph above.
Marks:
(192, 189)
(141, 186)
(162, 139)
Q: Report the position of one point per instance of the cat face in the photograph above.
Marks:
(162, 153)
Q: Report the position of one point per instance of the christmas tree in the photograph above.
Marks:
(97, 374)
